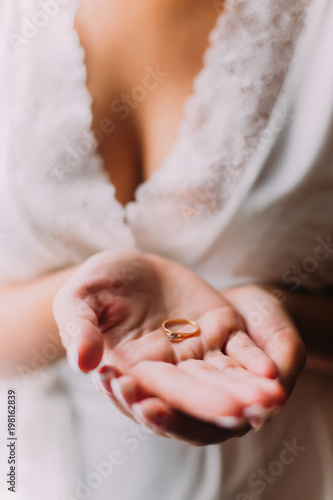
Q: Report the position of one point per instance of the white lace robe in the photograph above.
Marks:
(244, 195)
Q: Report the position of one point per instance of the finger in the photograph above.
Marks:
(156, 415)
(224, 328)
(160, 418)
(272, 329)
(286, 348)
(103, 380)
(249, 389)
(215, 327)
(152, 345)
(103, 376)
(242, 349)
(222, 362)
(122, 390)
(79, 330)
(124, 393)
(257, 414)
(181, 391)
(153, 414)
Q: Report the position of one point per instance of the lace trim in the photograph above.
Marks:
(250, 51)
(56, 164)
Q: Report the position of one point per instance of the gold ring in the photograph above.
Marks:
(172, 335)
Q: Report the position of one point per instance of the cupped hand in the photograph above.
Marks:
(271, 328)
(194, 390)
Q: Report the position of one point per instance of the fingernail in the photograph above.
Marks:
(258, 416)
(138, 413)
(99, 384)
(119, 390)
(156, 418)
(126, 390)
(230, 422)
(96, 382)
(73, 357)
(256, 422)
(102, 380)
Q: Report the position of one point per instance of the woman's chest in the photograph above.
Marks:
(182, 212)
(141, 62)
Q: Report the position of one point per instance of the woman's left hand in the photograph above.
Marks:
(271, 328)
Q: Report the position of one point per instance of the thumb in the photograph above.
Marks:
(79, 331)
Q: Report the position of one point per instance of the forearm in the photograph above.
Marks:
(28, 332)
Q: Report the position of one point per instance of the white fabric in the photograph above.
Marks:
(251, 200)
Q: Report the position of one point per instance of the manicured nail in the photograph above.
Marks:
(138, 413)
(120, 391)
(152, 419)
(102, 379)
(230, 422)
(125, 390)
(101, 385)
(257, 415)
(97, 382)
(73, 357)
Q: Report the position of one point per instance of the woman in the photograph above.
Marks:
(225, 211)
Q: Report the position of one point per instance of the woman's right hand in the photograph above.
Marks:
(117, 302)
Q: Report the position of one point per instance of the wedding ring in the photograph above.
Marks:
(174, 335)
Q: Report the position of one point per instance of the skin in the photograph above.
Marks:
(120, 40)
(118, 300)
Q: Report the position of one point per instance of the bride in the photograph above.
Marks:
(163, 161)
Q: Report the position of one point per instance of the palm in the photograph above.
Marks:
(122, 304)
(134, 333)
